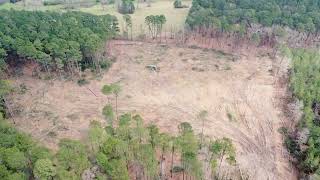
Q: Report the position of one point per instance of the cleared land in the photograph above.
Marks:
(242, 97)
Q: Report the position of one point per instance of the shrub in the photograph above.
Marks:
(177, 169)
(82, 82)
(16, 176)
(44, 169)
(72, 157)
(292, 146)
(178, 4)
(126, 7)
(15, 159)
(52, 2)
(105, 64)
(23, 88)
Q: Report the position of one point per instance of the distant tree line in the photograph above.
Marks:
(53, 2)
(3, 1)
(248, 18)
(70, 3)
(302, 15)
(56, 41)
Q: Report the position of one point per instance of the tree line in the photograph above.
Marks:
(302, 15)
(304, 144)
(66, 42)
(241, 17)
(129, 149)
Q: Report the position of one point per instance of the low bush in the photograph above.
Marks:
(52, 2)
(126, 7)
(178, 4)
(82, 82)
(106, 64)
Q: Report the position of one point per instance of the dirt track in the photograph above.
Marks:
(189, 81)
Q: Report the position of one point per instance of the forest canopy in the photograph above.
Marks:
(56, 41)
(304, 83)
(301, 15)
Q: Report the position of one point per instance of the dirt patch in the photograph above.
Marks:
(241, 97)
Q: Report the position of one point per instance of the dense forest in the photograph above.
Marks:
(226, 15)
(57, 41)
(304, 83)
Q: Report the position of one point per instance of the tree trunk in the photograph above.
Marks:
(70, 69)
(161, 166)
(172, 152)
(9, 109)
(165, 35)
(222, 155)
(79, 69)
(60, 75)
(136, 174)
(117, 108)
(201, 140)
(183, 173)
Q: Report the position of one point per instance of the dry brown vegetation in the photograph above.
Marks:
(242, 95)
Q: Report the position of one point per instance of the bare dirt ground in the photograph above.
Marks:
(242, 96)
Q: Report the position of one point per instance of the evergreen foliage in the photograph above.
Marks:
(130, 144)
(301, 15)
(56, 41)
(126, 7)
(18, 153)
(305, 84)
(155, 24)
(177, 4)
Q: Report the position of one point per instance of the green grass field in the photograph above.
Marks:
(9, 6)
(175, 17)
(19, 6)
